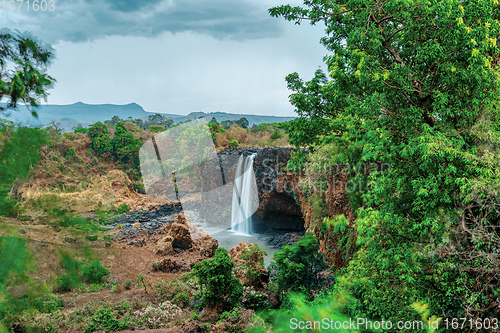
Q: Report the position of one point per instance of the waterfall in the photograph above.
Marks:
(245, 196)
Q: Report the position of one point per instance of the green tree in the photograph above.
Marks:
(242, 122)
(215, 128)
(27, 83)
(113, 120)
(101, 142)
(125, 147)
(413, 84)
(159, 120)
(297, 268)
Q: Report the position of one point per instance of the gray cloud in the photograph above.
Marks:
(86, 20)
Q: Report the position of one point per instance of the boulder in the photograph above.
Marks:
(206, 246)
(167, 266)
(181, 236)
(165, 246)
(195, 232)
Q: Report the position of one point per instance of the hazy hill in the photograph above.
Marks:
(71, 115)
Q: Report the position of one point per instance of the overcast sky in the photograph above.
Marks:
(174, 56)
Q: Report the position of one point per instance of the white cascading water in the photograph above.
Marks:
(245, 196)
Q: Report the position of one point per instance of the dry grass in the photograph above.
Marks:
(249, 139)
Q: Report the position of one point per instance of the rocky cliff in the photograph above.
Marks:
(278, 207)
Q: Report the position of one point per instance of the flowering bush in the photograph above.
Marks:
(158, 317)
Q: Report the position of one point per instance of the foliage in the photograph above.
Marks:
(64, 283)
(18, 154)
(68, 281)
(81, 130)
(219, 288)
(27, 83)
(413, 85)
(215, 128)
(157, 128)
(276, 135)
(177, 291)
(242, 122)
(127, 284)
(101, 142)
(251, 256)
(141, 282)
(234, 143)
(69, 136)
(158, 317)
(125, 147)
(330, 307)
(13, 258)
(63, 218)
(94, 272)
(297, 268)
(70, 153)
(123, 208)
(104, 319)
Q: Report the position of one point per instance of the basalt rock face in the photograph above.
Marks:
(277, 199)
(278, 208)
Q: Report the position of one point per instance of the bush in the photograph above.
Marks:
(70, 153)
(101, 142)
(157, 128)
(65, 283)
(234, 143)
(219, 288)
(123, 208)
(276, 135)
(104, 319)
(17, 155)
(69, 136)
(94, 272)
(297, 268)
(254, 264)
(81, 130)
(159, 317)
(127, 284)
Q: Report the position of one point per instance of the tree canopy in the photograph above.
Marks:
(23, 62)
(412, 84)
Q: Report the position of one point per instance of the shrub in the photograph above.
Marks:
(18, 154)
(127, 284)
(234, 143)
(64, 283)
(276, 135)
(70, 280)
(94, 272)
(181, 299)
(158, 317)
(81, 130)
(69, 136)
(157, 128)
(219, 288)
(104, 319)
(70, 153)
(123, 208)
(297, 268)
(254, 264)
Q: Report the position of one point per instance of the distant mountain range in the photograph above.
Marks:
(72, 115)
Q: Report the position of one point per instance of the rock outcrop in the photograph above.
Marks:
(276, 187)
(246, 259)
(182, 235)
